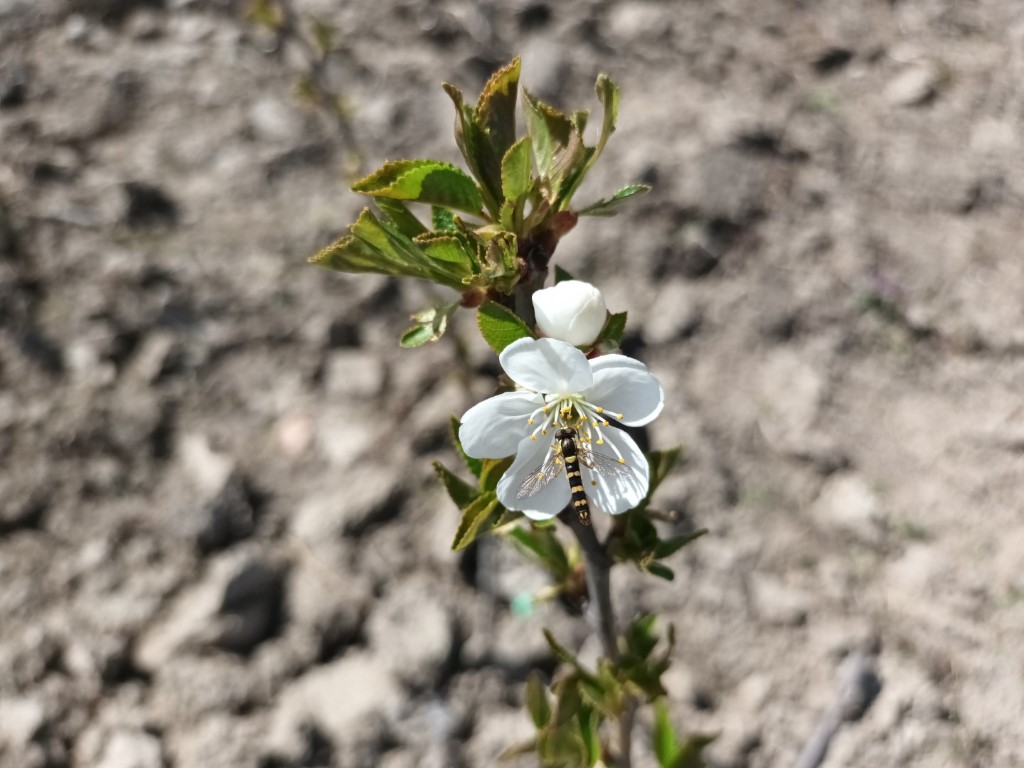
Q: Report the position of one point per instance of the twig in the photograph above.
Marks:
(602, 616)
(598, 569)
(858, 687)
(290, 30)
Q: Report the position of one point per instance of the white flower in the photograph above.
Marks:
(571, 311)
(559, 387)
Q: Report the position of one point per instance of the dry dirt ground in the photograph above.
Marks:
(221, 543)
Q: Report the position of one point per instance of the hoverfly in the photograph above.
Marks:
(568, 453)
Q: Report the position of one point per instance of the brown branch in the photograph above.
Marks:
(601, 615)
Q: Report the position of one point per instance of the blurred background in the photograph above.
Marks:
(221, 541)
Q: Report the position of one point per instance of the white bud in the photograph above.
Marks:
(571, 311)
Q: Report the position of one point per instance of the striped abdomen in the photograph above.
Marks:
(572, 471)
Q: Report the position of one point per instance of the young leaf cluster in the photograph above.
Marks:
(478, 503)
(489, 229)
(635, 539)
(569, 714)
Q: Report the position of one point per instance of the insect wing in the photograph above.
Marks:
(606, 466)
(540, 477)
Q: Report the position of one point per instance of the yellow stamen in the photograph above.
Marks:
(600, 410)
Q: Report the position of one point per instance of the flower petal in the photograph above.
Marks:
(571, 311)
(493, 428)
(546, 503)
(624, 385)
(546, 365)
(618, 493)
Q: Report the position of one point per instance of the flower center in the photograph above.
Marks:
(575, 411)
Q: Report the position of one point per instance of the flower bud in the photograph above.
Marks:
(571, 311)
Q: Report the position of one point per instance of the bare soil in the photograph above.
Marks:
(221, 542)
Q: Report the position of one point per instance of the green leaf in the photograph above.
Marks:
(417, 336)
(568, 700)
(590, 722)
(560, 651)
(551, 133)
(442, 219)
(517, 169)
(537, 700)
(608, 95)
(473, 465)
(461, 492)
(499, 262)
(667, 547)
(561, 275)
(561, 747)
(661, 571)
(690, 755)
(400, 214)
(500, 326)
(542, 544)
(577, 169)
(609, 206)
(423, 181)
(476, 148)
(446, 247)
(496, 108)
(641, 637)
(379, 246)
(492, 471)
(614, 327)
(663, 736)
(474, 519)
(430, 325)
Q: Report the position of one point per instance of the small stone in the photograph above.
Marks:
(848, 503)
(132, 749)
(294, 432)
(914, 86)
(413, 631)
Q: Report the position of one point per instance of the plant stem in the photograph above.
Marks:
(601, 615)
